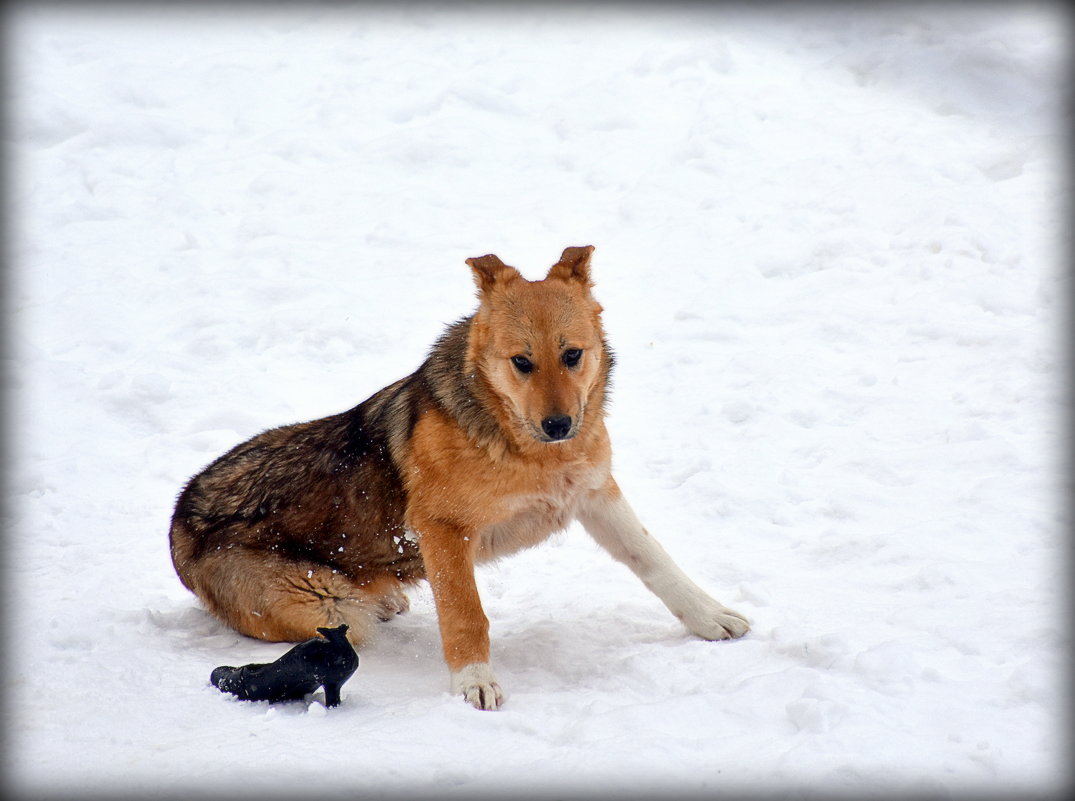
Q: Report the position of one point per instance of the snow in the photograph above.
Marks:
(829, 247)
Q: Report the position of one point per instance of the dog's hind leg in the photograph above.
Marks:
(387, 593)
(273, 598)
(609, 519)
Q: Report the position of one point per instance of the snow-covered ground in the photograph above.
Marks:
(829, 245)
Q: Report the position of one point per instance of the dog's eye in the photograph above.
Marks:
(522, 364)
(571, 357)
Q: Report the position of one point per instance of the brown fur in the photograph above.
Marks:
(326, 522)
(310, 525)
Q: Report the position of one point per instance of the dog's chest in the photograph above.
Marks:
(530, 515)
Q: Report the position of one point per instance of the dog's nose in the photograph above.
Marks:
(557, 426)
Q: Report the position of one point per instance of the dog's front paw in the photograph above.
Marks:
(717, 622)
(477, 684)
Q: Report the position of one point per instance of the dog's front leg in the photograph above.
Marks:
(448, 554)
(609, 519)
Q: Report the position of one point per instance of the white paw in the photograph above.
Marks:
(716, 622)
(477, 684)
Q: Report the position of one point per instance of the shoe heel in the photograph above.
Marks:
(332, 694)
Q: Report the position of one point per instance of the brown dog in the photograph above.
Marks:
(494, 443)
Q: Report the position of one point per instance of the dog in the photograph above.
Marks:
(495, 443)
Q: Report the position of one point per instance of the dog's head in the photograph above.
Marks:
(539, 344)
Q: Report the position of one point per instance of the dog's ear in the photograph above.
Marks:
(489, 270)
(574, 265)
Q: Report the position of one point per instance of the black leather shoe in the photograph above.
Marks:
(327, 663)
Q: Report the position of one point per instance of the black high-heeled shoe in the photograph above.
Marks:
(327, 663)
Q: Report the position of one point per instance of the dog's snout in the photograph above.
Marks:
(557, 426)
